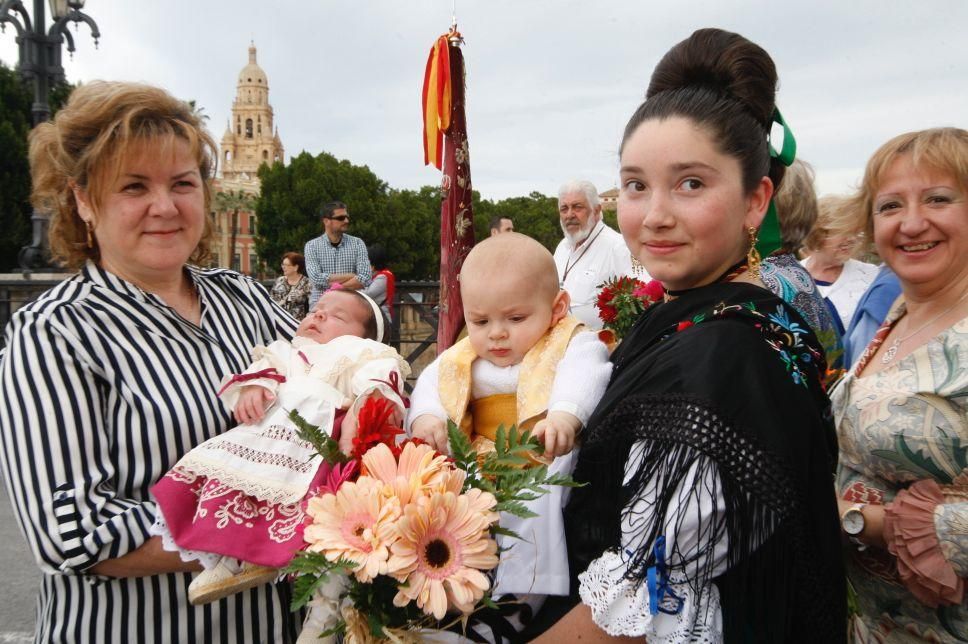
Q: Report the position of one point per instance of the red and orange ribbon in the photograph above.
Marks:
(436, 101)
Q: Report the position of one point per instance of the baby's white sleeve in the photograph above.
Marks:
(274, 357)
(426, 396)
(582, 377)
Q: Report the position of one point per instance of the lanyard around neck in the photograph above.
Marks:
(571, 265)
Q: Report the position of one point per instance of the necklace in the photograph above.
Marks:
(571, 265)
(731, 273)
(891, 351)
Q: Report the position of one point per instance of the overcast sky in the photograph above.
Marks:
(550, 84)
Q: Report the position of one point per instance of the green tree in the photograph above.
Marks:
(198, 111)
(15, 123)
(413, 243)
(233, 202)
(15, 100)
(405, 222)
(535, 215)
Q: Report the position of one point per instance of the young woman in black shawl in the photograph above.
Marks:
(709, 513)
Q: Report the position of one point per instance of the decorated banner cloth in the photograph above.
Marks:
(241, 493)
(446, 147)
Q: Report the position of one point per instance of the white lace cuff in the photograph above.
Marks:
(621, 607)
(160, 529)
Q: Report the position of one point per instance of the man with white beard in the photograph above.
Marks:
(591, 252)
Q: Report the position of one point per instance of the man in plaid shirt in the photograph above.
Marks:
(335, 257)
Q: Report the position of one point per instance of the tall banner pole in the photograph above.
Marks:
(445, 145)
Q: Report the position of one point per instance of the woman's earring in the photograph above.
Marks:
(637, 267)
(90, 236)
(753, 256)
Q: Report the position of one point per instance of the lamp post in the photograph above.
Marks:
(40, 64)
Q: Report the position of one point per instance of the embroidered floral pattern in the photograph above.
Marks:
(781, 332)
(233, 509)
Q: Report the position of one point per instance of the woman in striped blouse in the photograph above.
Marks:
(110, 377)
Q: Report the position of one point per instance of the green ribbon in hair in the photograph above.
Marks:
(769, 238)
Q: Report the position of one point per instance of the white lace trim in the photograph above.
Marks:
(277, 492)
(160, 529)
(621, 607)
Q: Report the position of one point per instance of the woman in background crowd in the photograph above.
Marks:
(111, 376)
(292, 288)
(384, 284)
(872, 309)
(902, 412)
(830, 248)
(782, 273)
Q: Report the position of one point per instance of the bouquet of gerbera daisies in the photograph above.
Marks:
(621, 301)
(402, 537)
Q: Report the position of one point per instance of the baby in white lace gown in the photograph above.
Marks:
(240, 495)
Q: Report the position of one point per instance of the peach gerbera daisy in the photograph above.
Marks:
(418, 469)
(356, 523)
(442, 548)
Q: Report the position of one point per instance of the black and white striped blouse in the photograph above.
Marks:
(104, 387)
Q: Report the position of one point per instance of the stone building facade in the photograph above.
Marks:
(251, 138)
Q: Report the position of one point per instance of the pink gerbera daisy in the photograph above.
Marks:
(356, 523)
(418, 470)
(443, 547)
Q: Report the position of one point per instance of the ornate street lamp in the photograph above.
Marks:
(40, 64)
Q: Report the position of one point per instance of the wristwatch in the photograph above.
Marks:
(852, 521)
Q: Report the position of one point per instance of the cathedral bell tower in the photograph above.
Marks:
(250, 138)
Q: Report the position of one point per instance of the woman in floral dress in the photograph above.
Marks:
(901, 412)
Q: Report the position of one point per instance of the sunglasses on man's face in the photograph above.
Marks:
(340, 218)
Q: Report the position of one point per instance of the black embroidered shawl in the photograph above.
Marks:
(726, 377)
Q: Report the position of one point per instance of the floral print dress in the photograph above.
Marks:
(901, 429)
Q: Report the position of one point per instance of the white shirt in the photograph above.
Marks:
(582, 269)
(622, 607)
(845, 292)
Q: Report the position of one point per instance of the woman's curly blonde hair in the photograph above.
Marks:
(86, 145)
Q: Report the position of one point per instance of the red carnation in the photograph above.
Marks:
(375, 425)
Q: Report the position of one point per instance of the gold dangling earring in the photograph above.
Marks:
(753, 256)
(637, 267)
(90, 236)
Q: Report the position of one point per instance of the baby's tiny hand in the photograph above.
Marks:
(347, 432)
(557, 431)
(433, 431)
(251, 407)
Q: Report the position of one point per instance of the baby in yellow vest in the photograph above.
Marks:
(525, 361)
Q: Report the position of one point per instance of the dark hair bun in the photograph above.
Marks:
(722, 62)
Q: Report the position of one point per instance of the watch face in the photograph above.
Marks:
(853, 522)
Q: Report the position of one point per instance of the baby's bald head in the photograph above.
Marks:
(510, 258)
